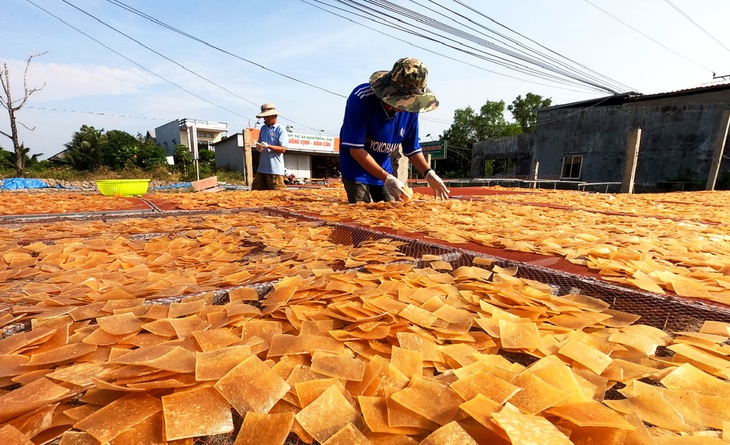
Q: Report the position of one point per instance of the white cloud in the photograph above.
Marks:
(71, 81)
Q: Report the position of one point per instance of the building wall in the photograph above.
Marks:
(677, 140)
(512, 147)
(176, 132)
(168, 135)
(599, 134)
(229, 153)
(298, 165)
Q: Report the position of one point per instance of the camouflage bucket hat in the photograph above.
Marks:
(404, 87)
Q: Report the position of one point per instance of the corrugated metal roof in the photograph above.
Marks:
(618, 99)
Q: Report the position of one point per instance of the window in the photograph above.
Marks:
(571, 166)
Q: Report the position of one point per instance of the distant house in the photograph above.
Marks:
(587, 141)
(190, 133)
(308, 155)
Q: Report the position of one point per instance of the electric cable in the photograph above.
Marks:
(97, 113)
(160, 54)
(173, 61)
(190, 36)
(132, 61)
(532, 50)
(395, 23)
(696, 24)
(428, 49)
(650, 38)
(422, 20)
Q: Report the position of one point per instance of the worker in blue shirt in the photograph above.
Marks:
(381, 117)
(272, 143)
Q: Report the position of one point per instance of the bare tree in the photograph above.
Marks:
(13, 106)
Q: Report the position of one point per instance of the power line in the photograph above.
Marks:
(154, 20)
(173, 61)
(696, 24)
(650, 38)
(132, 61)
(472, 9)
(97, 113)
(158, 53)
(178, 31)
(408, 17)
(150, 71)
(396, 22)
(390, 26)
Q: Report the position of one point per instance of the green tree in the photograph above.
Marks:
(5, 160)
(524, 111)
(149, 154)
(468, 128)
(8, 159)
(86, 149)
(183, 159)
(120, 149)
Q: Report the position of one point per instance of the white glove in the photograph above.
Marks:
(261, 145)
(439, 188)
(395, 187)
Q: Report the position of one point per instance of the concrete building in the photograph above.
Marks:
(192, 133)
(680, 143)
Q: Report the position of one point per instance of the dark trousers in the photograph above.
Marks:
(359, 192)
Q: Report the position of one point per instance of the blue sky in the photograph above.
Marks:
(306, 60)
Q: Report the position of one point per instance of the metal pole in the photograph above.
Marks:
(193, 138)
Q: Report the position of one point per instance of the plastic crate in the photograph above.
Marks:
(123, 187)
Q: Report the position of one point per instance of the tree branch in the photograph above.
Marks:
(25, 83)
(26, 127)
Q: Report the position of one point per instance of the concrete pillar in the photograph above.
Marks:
(248, 172)
(631, 161)
(718, 151)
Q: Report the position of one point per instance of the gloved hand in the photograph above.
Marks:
(261, 145)
(439, 188)
(395, 187)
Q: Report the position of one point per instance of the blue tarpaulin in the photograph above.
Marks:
(176, 185)
(23, 183)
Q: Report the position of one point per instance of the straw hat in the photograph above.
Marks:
(267, 110)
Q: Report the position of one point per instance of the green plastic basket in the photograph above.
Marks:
(123, 187)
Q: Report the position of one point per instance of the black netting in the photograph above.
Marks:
(666, 312)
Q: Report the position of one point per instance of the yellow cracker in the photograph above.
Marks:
(419, 397)
(375, 413)
(252, 386)
(451, 433)
(524, 429)
(327, 414)
(591, 414)
(586, 355)
(110, 421)
(215, 364)
(197, 412)
(519, 335)
(261, 428)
